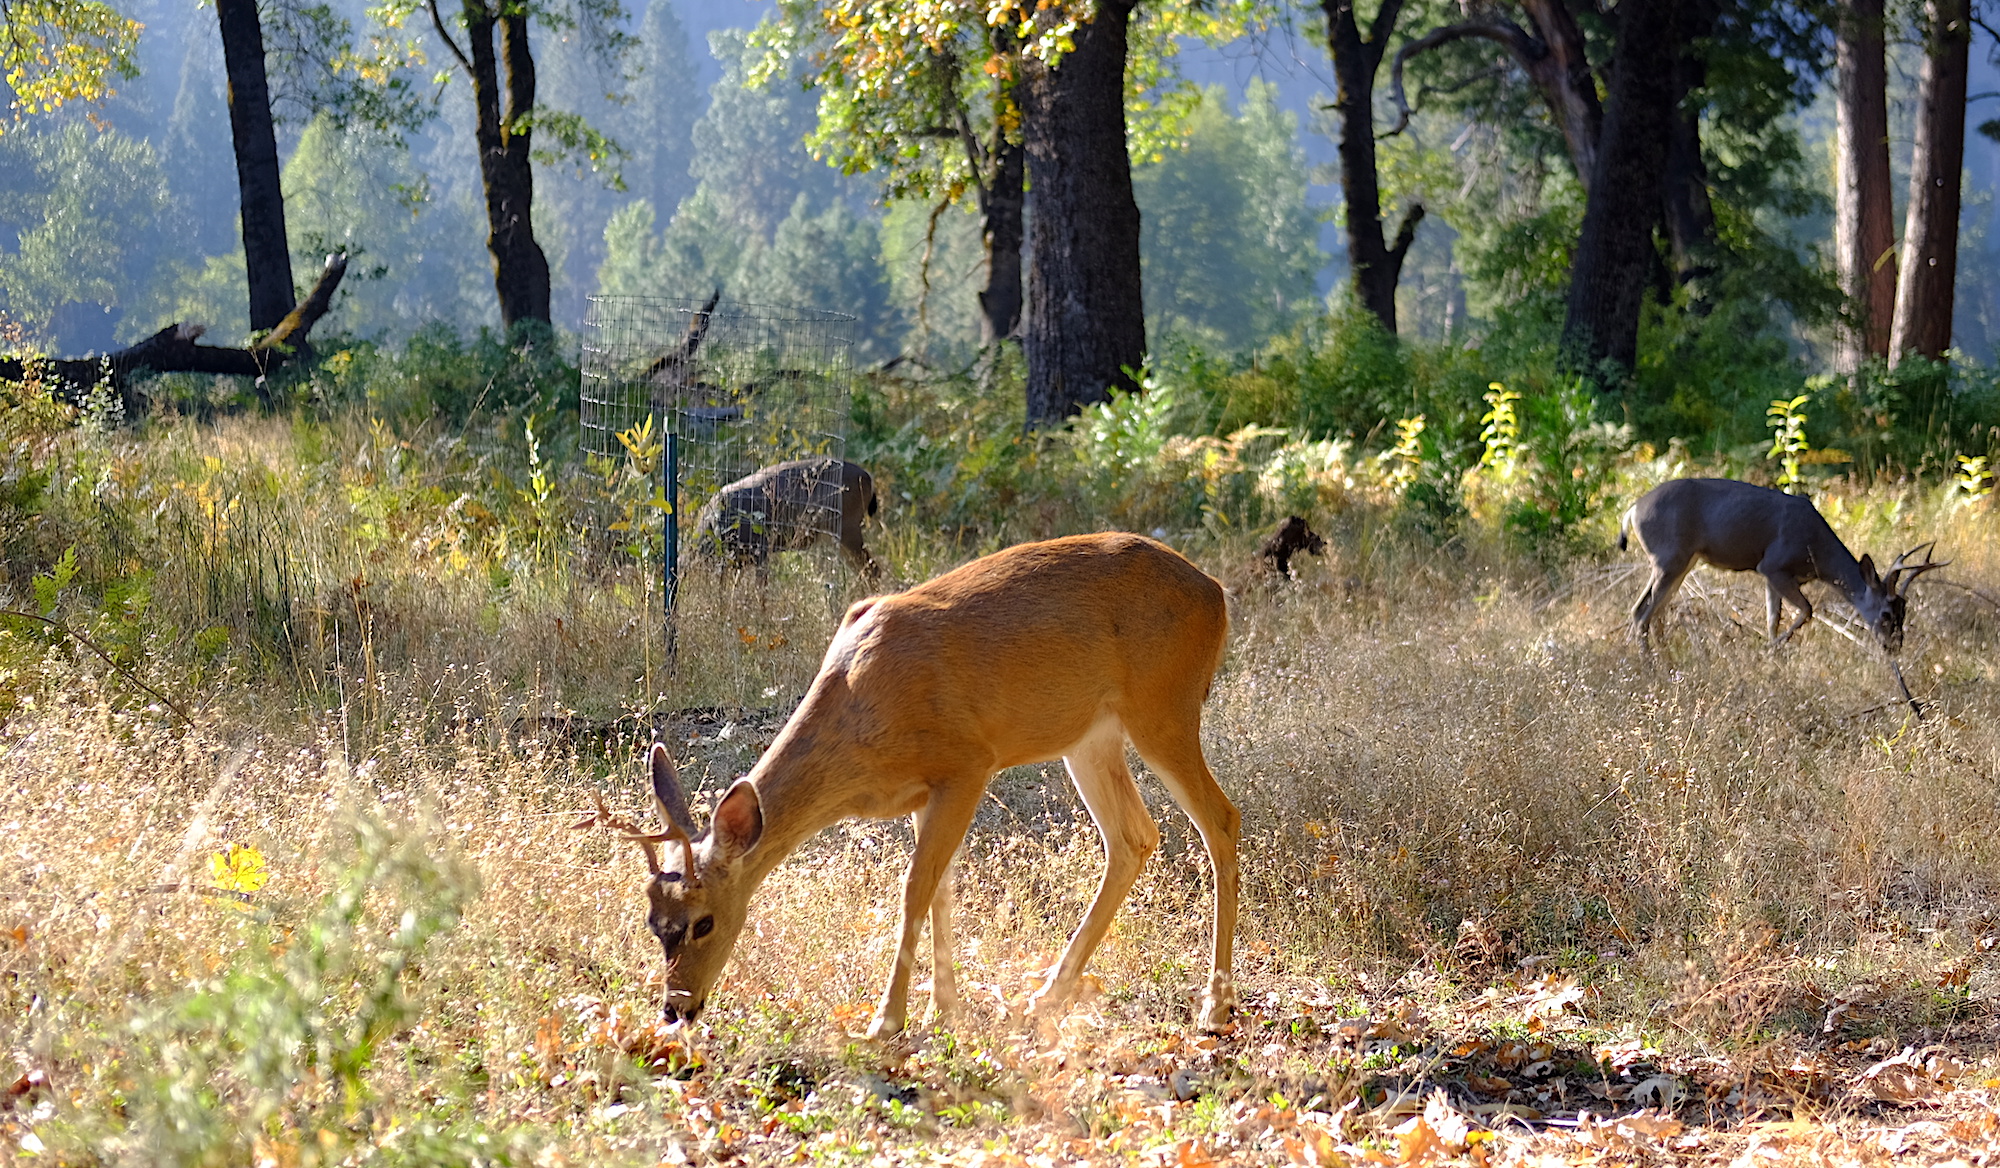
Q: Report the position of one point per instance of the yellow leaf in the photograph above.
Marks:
(240, 869)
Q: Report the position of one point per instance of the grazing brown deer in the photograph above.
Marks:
(781, 508)
(1740, 527)
(1063, 649)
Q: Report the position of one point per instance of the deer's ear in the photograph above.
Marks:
(1868, 569)
(739, 820)
(667, 793)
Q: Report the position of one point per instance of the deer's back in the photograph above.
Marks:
(1732, 525)
(1025, 649)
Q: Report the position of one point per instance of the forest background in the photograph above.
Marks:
(303, 680)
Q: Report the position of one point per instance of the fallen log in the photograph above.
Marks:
(173, 350)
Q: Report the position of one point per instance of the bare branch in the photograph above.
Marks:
(437, 22)
(1505, 33)
(91, 645)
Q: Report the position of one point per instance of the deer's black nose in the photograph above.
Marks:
(677, 1015)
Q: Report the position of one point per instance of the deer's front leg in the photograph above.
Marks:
(941, 826)
(1780, 587)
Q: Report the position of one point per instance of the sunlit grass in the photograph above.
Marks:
(1450, 760)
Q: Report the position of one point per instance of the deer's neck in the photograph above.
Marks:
(1833, 563)
(799, 792)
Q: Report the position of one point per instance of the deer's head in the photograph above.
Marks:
(697, 886)
(1886, 601)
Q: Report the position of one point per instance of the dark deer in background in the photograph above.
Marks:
(1739, 527)
(781, 508)
(1293, 536)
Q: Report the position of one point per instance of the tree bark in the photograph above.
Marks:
(267, 254)
(1687, 209)
(1864, 209)
(1924, 290)
(1002, 200)
(173, 350)
(1376, 265)
(1086, 318)
(506, 168)
(1614, 250)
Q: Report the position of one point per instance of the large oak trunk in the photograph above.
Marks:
(1615, 254)
(267, 254)
(1086, 319)
(1930, 228)
(1864, 212)
(1375, 264)
(506, 169)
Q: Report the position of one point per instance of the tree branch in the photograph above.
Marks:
(1407, 233)
(1379, 32)
(1508, 35)
(437, 22)
(173, 350)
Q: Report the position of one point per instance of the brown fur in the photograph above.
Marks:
(1063, 649)
(775, 508)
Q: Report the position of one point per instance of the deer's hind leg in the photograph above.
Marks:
(944, 984)
(1097, 767)
(1172, 748)
(1667, 577)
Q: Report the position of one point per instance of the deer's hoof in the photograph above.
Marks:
(1218, 1011)
(883, 1028)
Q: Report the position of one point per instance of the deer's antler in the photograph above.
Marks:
(649, 842)
(1897, 581)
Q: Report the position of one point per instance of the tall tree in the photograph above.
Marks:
(1864, 213)
(1086, 314)
(1615, 257)
(1376, 264)
(267, 255)
(666, 99)
(1925, 286)
(1685, 206)
(503, 129)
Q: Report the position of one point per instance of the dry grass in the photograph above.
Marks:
(1475, 817)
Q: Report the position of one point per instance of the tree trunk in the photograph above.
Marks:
(1086, 319)
(1614, 250)
(267, 254)
(520, 269)
(1930, 229)
(1864, 210)
(1001, 201)
(1687, 210)
(1376, 266)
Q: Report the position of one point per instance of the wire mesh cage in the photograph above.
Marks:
(733, 388)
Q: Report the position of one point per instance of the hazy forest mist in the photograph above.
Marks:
(108, 232)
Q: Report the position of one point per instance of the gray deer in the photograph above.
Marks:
(1740, 527)
(779, 508)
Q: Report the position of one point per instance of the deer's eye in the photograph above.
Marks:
(704, 927)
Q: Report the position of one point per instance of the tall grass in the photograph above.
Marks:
(1449, 758)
